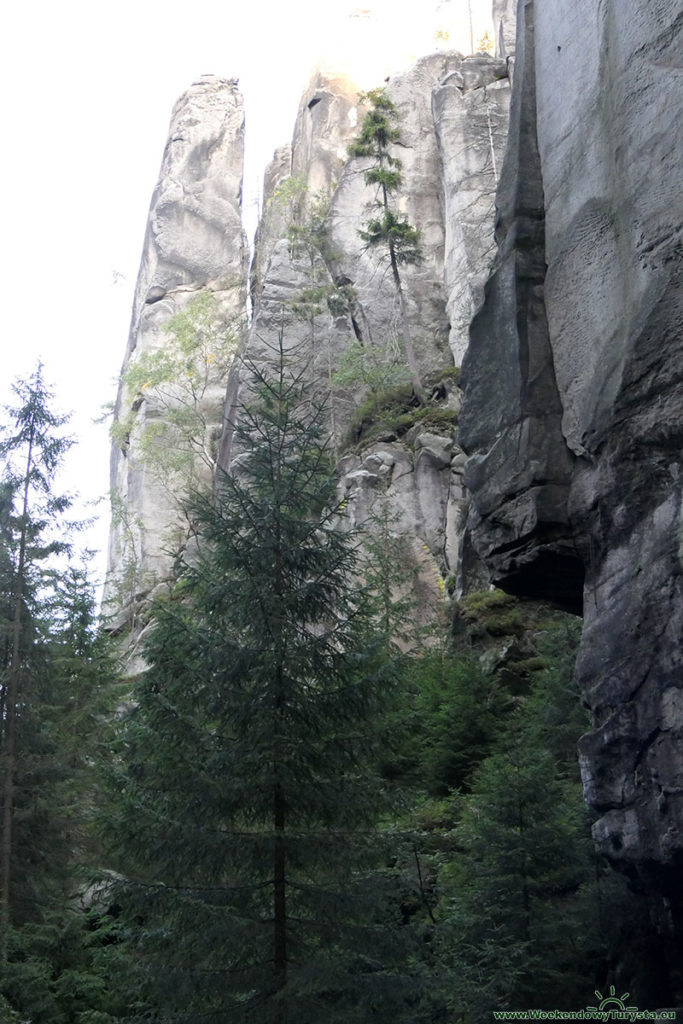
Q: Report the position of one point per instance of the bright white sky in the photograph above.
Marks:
(88, 87)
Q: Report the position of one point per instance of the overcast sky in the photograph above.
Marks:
(88, 88)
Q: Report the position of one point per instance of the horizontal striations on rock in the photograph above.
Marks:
(575, 439)
(190, 295)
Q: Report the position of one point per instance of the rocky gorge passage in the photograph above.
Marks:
(568, 441)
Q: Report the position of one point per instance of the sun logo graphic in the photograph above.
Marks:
(612, 1002)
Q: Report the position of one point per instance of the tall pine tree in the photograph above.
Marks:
(248, 830)
(32, 450)
(53, 667)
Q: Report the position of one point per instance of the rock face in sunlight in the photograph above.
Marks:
(574, 397)
(335, 301)
(505, 26)
(471, 108)
(315, 280)
(194, 263)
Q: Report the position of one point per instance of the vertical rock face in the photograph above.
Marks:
(505, 26)
(573, 378)
(420, 201)
(452, 116)
(470, 107)
(310, 165)
(574, 396)
(194, 245)
(520, 468)
(452, 113)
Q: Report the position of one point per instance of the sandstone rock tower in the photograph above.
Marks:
(453, 116)
(570, 344)
(194, 246)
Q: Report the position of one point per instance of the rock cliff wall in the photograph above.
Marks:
(573, 393)
(452, 114)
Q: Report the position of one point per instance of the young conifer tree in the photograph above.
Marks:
(54, 671)
(248, 830)
(388, 230)
(31, 449)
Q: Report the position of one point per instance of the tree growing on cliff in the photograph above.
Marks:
(183, 385)
(309, 244)
(248, 828)
(389, 231)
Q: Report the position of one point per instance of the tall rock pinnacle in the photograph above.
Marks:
(194, 264)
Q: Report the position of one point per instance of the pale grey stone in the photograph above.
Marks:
(420, 201)
(470, 112)
(505, 26)
(194, 241)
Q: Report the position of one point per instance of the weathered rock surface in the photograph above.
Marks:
(367, 270)
(452, 113)
(574, 393)
(422, 486)
(194, 242)
(453, 119)
(505, 26)
(470, 107)
(308, 166)
(520, 468)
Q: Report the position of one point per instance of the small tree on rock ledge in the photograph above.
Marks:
(388, 230)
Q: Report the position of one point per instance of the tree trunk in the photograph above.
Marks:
(279, 903)
(279, 800)
(405, 328)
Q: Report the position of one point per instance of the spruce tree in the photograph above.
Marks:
(523, 923)
(52, 666)
(388, 230)
(248, 830)
(31, 449)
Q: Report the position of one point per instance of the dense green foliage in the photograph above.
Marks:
(301, 824)
(379, 132)
(525, 915)
(54, 674)
(248, 830)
